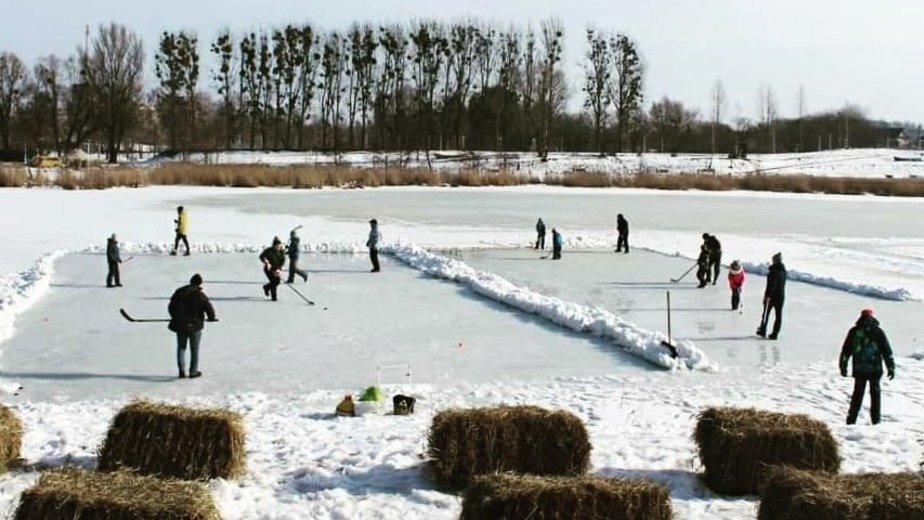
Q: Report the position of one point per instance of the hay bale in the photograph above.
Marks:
(736, 445)
(66, 494)
(175, 441)
(10, 439)
(538, 498)
(520, 439)
(793, 494)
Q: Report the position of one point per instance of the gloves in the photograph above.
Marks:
(891, 374)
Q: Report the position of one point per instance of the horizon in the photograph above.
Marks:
(862, 48)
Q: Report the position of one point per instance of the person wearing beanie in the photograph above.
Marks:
(182, 224)
(273, 258)
(557, 243)
(540, 234)
(714, 247)
(867, 345)
(373, 244)
(293, 250)
(113, 259)
(774, 295)
(735, 283)
(622, 228)
(702, 266)
(188, 308)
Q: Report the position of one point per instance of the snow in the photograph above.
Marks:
(529, 319)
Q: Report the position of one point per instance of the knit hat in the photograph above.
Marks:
(196, 279)
(735, 266)
(777, 258)
(374, 222)
(866, 312)
(276, 241)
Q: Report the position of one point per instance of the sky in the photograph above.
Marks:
(864, 53)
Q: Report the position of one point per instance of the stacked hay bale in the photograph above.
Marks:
(72, 493)
(793, 494)
(520, 439)
(174, 441)
(554, 498)
(737, 445)
(10, 439)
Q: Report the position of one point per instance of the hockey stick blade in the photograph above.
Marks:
(671, 348)
(135, 320)
(296, 291)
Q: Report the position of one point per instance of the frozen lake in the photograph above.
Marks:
(73, 344)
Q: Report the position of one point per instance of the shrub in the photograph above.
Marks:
(10, 439)
(736, 446)
(521, 439)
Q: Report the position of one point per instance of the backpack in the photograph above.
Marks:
(866, 357)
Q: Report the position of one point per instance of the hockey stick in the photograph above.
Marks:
(134, 320)
(309, 302)
(668, 344)
(684, 275)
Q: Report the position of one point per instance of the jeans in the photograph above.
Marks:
(193, 339)
(715, 264)
(556, 252)
(176, 242)
(113, 274)
(622, 241)
(777, 308)
(374, 257)
(540, 241)
(856, 400)
(274, 281)
(294, 270)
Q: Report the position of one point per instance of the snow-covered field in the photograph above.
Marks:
(861, 162)
(479, 318)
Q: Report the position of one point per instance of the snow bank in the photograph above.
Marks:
(579, 318)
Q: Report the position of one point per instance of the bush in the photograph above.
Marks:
(72, 493)
(10, 439)
(793, 494)
(521, 439)
(736, 446)
(553, 498)
(174, 441)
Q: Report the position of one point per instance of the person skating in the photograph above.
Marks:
(622, 227)
(867, 344)
(774, 295)
(293, 250)
(182, 225)
(113, 259)
(540, 235)
(702, 266)
(557, 243)
(189, 308)
(735, 283)
(273, 258)
(715, 256)
(373, 244)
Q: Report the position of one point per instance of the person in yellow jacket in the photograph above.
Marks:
(182, 223)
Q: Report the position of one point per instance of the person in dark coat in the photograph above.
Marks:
(540, 234)
(622, 227)
(557, 243)
(868, 346)
(715, 256)
(188, 308)
(113, 259)
(702, 266)
(273, 259)
(293, 250)
(373, 244)
(774, 295)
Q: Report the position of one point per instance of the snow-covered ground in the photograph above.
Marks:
(861, 162)
(532, 331)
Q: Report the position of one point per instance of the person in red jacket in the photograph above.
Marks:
(735, 282)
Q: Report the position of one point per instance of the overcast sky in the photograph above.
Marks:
(868, 53)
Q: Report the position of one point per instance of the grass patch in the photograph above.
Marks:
(10, 439)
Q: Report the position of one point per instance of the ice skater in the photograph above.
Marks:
(273, 258)
(540, 235)
(293, 250)
(182, 226)
(774, 295)
(373, 244)
(702, 266)
(189, 308)
(622, 227)
(113, 259)
(867, 344)
(557, 243)
(715, 257)
(735, 283)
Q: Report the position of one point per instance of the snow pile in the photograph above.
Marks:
(875, 291)
(580, 318)
(132, 248)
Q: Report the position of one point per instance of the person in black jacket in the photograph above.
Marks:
(188, 308)
(715, 256)
(702, 266)
(622, 227)
(774, 295)
(113, 258)
(867, 344)
(540, 235)
(273, 259)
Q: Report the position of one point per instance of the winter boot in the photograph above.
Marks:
(193, 375)
(182, 374)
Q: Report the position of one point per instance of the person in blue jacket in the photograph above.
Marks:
(557, 242)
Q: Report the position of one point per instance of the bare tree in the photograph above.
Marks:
(176, 65)
(550, 83)
(308, 43)
(670, 119)
(429, 45)
(718, 106)
(597, 73)
(767, 112)
(627, 83)
(47, 81)
(800, 111)
(12, 82)
(113, 68)
(391, 86)
(223, 49)
(333, 60)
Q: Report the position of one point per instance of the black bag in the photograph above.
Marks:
(403, 404)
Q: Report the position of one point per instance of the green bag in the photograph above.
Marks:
(372, 394)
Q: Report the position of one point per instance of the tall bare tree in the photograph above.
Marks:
(176, 66)
(628, 94)
(12, 82)
(718, 106)
(800, 111)
(767, 112)
(429, 45)
(223, 76)
(598, 64)
(113, 69)
(550, 82)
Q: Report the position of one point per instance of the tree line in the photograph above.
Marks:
(419, 86)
